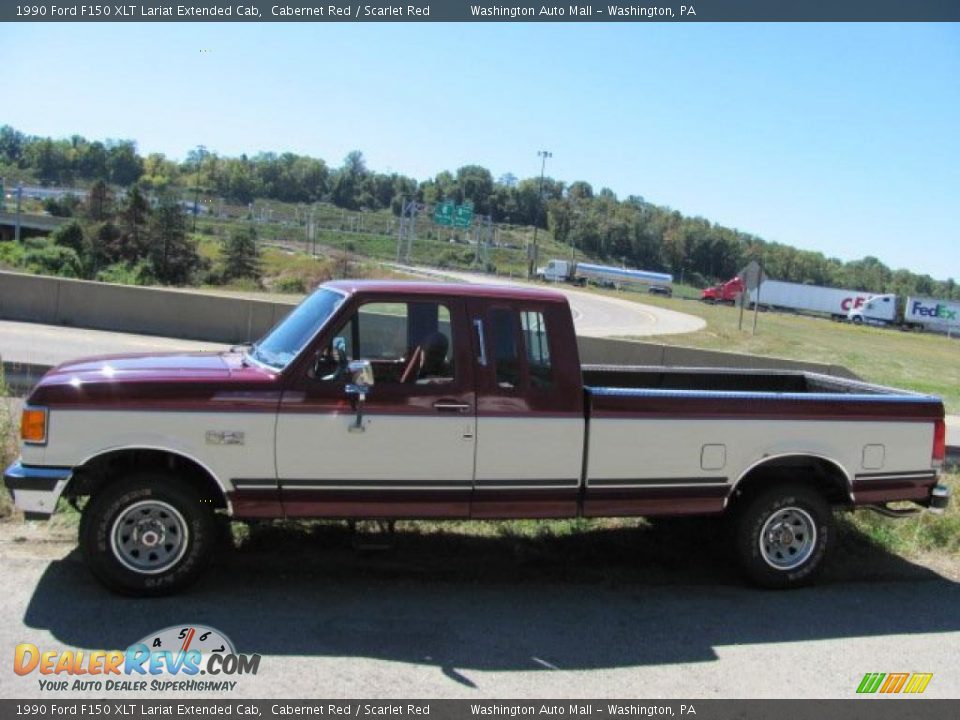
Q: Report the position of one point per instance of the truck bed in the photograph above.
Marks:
(608, 378)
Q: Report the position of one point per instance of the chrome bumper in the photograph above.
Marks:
(35, 489)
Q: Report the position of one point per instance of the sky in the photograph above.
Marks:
(840, 138)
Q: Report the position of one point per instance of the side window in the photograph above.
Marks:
(506, 356)
(381, 332)
(407, 343)
(538, 349)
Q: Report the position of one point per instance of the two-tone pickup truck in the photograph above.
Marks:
(418, 400)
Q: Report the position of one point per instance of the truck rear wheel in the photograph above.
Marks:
(782, 536)
(147, 535)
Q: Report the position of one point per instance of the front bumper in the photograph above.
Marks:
(35, 489)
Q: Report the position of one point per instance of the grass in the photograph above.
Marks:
(922, 362)
(8, 441)
(917, 535)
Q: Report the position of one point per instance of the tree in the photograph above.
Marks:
(133, 222)
(11, 144)
(123, 164)
(580, 190)
(101, 248)
(99, 202)
(349, 180)
(476, 184)
(241, 256)
(173, 255)
(70, 235)
(92, 162)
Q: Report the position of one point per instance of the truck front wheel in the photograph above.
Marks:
(147, 534)
(782, 536)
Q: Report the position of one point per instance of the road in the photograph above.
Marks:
(494, 617)
(593, 315)
(53, 344)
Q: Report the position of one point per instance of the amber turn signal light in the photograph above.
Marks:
(33, 425)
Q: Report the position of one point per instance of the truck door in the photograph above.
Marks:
(413, 453)
(530, 422)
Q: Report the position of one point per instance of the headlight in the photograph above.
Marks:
(33, 425)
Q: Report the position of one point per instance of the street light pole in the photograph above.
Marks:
(532, 266)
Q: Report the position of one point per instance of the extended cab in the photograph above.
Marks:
(417, 400)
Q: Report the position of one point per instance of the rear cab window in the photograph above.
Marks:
(520, 346)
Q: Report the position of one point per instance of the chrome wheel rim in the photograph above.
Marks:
(788, 538)
(149, 537)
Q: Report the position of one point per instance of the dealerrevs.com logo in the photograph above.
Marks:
(894, 683)
(180, 658)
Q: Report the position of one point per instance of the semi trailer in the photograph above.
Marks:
(580, 273)
(916, 313)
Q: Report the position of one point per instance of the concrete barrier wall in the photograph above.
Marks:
(228, 319)
(127, 308)
(620, 352)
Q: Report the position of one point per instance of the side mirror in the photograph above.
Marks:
(361, 375)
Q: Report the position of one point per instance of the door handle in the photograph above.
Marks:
(451, 406)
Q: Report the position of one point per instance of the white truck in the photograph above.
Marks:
(579, 273)
(835, 302)
(916, 313)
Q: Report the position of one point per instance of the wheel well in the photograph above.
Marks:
(105, 469)
(823, 475)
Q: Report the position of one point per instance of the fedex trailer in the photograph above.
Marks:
(916, 313)
(938, 315)
(835, 302)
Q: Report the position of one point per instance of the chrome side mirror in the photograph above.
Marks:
(361, 374)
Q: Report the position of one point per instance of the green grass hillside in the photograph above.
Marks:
(923, 362)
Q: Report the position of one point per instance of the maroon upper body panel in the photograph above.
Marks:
(446, 289)
(164, 381)
(763, 406)
(227, 381)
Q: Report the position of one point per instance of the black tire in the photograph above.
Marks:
(788, 512)
(186, 534)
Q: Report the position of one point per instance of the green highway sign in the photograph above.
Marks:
(463, 215)
(444, 212)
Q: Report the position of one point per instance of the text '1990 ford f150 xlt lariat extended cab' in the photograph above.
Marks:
(418, 400)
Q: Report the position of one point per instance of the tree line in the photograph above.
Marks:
(629, 230)
(133, 240)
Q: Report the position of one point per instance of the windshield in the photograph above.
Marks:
(287, 339)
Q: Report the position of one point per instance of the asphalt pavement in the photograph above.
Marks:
(447, 617)
(593, 315)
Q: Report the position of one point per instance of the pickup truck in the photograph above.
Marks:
(386, 400)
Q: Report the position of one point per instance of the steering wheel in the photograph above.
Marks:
(412, 370)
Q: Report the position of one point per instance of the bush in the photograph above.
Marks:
(53, 260)
(65, 206)
(70, 235)
(289, 284)
(126, 274)
(11, 254)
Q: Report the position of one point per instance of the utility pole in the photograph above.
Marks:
(532, 267)
(16, 235)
